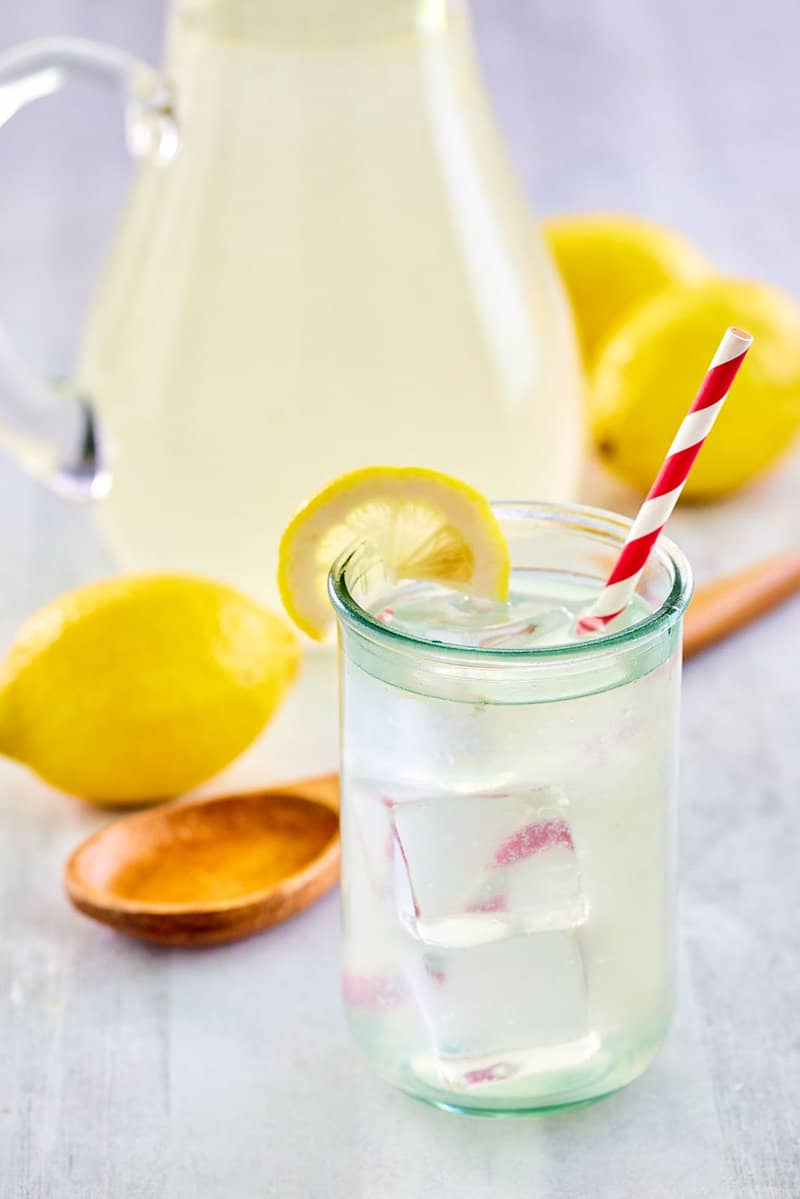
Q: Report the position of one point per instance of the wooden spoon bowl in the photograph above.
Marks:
(211, 871)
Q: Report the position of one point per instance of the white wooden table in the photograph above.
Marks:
(133, 1073)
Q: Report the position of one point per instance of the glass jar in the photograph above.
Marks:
(508, 835)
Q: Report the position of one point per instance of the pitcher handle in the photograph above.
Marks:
(51, 428)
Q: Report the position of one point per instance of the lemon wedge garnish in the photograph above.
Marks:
(422, 524)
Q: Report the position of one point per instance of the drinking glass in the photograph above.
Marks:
(508, 833)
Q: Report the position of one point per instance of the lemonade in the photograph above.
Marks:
(507, 796)
(337, 259)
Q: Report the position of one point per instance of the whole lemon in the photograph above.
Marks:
(650, 368)
(611, 263)
(134, 689)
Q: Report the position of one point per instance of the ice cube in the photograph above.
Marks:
(521, 1073)
(527, 629)
(469, 869)
(501, 999)
(373, 984)
(439, 614)
(534, 878)
(368, 806)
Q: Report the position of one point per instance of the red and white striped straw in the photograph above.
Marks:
(663, 495)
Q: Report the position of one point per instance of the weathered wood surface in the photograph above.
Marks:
(130, 1072)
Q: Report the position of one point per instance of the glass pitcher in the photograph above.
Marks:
(324, 262)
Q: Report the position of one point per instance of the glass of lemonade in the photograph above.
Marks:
(508, 820)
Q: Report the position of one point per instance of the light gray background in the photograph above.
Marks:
(129, 1072)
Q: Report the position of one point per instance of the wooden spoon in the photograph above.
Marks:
(211, 871)
(720, 608)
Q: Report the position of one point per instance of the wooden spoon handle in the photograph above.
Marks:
(720, 608)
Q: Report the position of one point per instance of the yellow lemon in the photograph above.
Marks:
(610, 264)
(135, 689)
(423, 525)
(650, 369)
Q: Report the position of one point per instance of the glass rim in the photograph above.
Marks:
(664, 616)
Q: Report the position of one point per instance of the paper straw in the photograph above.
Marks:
(663, 495)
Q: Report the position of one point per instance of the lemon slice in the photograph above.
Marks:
(422, 524)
